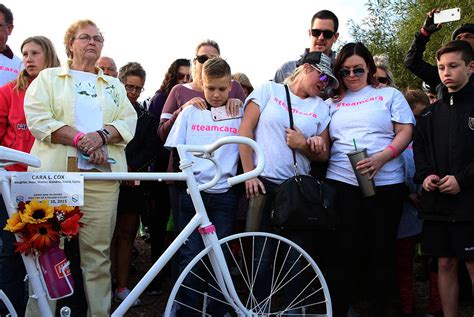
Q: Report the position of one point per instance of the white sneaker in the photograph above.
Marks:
(120, 296)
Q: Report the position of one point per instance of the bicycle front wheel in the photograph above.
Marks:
(272, 275)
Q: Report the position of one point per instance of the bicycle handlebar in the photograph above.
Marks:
(206, 150)
(9, 157)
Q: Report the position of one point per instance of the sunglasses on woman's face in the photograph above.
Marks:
(327, 34)
(322, 76)
(382, 80)
(202, 58)
(182, 76)
(358, 72)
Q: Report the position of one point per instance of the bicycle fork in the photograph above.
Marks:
(219, 265)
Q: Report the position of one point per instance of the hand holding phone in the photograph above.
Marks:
(448, 15)
(87, 158)
(220, 114)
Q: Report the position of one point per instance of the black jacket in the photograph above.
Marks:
(415, 63)
(422, 69)
(143, 149)
(460, 153)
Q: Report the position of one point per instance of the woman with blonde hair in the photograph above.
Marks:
(38, 53)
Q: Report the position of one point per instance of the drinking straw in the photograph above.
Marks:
(355, 145)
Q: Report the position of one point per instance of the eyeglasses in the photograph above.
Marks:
(131, 88)
(358, 72)
(322, 76)
(87, 38)
(4, 25)
(382, 80)
(327, 34)
(181, 76)
(202, 58)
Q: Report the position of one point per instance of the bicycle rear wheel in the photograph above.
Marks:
(273, 276)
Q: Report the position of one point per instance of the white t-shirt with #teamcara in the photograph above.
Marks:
(366, 116)
(310, 115)
(195, 126)
(9, 68)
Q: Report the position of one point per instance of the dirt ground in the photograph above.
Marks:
(154, 305)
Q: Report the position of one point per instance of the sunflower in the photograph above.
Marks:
(41, 236)
(37, 212)
(64, 208)
(14, 224)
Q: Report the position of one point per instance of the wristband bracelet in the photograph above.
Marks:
(424, 32)
(107, 135)
(77, 137)
(394, 151)
(102, 136)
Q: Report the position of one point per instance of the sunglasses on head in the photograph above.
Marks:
(382, 80)
(202, 58)
(358, 72)
(182, 76)
(327, 34)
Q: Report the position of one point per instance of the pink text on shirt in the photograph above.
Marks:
(356, 103)
(216, 128)
(9, 69)
(295, 111)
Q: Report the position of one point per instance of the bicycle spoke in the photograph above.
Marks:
(280, 279)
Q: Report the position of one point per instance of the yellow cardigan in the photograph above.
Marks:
(49, 105)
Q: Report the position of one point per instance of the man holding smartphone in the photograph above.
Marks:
(414, 58)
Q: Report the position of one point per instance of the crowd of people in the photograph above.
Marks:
(84, 115)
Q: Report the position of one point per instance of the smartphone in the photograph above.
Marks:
(109, 159)
(448, 15)
(220, 114)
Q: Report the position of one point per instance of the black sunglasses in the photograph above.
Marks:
(382, 80)
(182, 76)
(327, 34)
(202, 58)
(358, 72)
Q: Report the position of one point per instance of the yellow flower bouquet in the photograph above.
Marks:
(41, 225)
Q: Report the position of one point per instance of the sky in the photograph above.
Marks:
(255, 36)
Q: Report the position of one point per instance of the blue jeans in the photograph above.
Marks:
(12, 269)
(221, 209)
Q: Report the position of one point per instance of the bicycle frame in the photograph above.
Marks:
(200, 220)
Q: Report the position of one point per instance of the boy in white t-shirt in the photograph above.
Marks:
(196, 126)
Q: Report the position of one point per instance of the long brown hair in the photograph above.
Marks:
(50, 59)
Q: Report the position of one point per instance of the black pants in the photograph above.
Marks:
(367, 231)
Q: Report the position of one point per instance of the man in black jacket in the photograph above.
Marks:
(414, 59)
(444, 159)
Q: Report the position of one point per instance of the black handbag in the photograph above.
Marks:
(303, 202)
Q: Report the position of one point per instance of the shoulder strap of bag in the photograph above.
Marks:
(290, 114)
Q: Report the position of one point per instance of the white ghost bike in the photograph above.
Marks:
(246, 274)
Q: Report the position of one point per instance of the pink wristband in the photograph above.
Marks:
(394, 151)
(77, 137)
(424, 32)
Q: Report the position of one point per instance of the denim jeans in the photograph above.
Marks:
(221, 209)
(12, 269)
